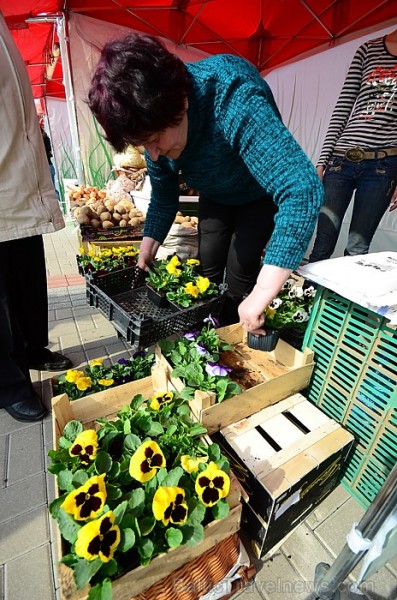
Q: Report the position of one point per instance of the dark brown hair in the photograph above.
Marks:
(138, 88)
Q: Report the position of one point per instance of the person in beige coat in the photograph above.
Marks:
(28, 209)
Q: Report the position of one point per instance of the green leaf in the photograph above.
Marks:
(197, 430)
(119, 511)
(155, 429)
(196, 535)
(64, 443)
(103, 462)
(55, 506)
(114, 471)
(132, 442)
(137, 401)
(173, 477)
(187, 393)
(101, 591)
(197, 515)
(145, 548)
(109, 569)
(67, 526)
(113, 492)
(79, 478)
(84, 570)
(214, 452)
(127, 540)
(220, 510)
(166, 346)
(174, 537)
(65, 479)
(137, 501)
(146, 525)
(127, 427)
(72, 429)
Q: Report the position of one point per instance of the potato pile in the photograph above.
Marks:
(80, 194)
(186, 221)
(106, 213)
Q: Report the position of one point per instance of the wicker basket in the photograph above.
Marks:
(198, 576)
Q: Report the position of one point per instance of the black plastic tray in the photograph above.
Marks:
(142, 323)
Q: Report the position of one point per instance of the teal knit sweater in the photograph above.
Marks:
(238, 151)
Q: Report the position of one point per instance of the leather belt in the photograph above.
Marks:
(358, 154)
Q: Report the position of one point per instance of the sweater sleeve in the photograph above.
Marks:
(344, 105)
(164, 199)
(276, 161)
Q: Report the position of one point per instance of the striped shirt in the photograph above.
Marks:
(365, 114)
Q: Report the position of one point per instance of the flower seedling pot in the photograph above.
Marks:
(266, 343)
(158, 298)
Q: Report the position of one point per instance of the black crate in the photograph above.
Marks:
(142, 323)
(118, 281)
(113, 234)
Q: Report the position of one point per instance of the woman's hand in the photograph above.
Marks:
(147, 252)
(252, 309)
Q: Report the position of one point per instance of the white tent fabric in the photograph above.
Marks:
(306, 93)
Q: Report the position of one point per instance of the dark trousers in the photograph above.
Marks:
(231, 243)
(23, 315)
(374, 182)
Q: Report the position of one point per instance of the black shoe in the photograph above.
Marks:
(30, 410)
(50, 361)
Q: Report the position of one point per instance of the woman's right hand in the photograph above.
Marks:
(320, 171)
(147, 252)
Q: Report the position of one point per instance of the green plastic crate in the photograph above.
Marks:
(355, 382)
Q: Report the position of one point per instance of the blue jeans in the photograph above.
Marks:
(374, 182)
(52, 173)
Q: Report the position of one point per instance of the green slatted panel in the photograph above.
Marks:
(355, 382)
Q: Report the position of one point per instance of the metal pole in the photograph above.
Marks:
(70, 101)
(328, 579)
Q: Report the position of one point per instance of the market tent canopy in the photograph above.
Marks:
(269, 33)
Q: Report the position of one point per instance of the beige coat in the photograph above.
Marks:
(28, 203)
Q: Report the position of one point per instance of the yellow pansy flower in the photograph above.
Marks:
(146, 461)
(96, 362)
(83, 383)
(159, 400)
(191, 463)
(169, 505)
(85, 446)
(106, 382)
(212, 485)
(72, 376)
(203, 284)
(88, 500)
(191, 289)
(192, 262)
(98, 539)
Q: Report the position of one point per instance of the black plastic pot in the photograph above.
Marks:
(267, 342)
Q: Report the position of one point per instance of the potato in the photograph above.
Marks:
(120, 208)
(116, 217)
(179, 219)
(96, 223)
(123, 223)
(107, 224)
(105, 216)
(83, 219)
(135, 222)
(187, 224)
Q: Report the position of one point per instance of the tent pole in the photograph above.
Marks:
(70, 102)
(328, 579)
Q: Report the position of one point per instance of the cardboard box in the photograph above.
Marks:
(106, 404)
(273, 376)
(288, 458)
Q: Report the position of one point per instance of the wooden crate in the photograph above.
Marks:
(288, 458)
(275, 375)
(106, 404)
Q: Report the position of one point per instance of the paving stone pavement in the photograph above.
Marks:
(28, 541)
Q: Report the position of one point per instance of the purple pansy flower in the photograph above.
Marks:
(141, 353)
(123, 361)
(201, 349)
(213, 320)
(190, 335)
(217, 369)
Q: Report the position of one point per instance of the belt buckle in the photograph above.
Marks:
(355, 154)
